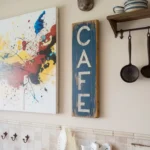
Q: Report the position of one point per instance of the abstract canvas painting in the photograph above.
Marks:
(28, 62)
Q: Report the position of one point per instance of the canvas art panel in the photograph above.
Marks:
(28, 62)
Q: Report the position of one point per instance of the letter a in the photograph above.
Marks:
(84, 60)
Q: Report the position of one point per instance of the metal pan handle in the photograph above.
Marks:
(130, 47)
(148, 46)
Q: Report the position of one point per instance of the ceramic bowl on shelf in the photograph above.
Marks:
(118, 9)
(135, 1)
(134, 5)
(134, 9)
(106, 146)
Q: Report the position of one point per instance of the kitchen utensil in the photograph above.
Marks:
(95, 146)
(129, 73)
(71, 142)
(106, 146)
(146, 69)
(62, 140)
(85, 147)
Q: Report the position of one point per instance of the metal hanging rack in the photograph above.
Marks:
(140, 145)
(133, 29)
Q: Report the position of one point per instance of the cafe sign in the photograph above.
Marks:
(85, 67)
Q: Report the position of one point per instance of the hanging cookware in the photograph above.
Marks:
(129, 73)
(146, 69)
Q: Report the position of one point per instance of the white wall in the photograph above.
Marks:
(124, 107)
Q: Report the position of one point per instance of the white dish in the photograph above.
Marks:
(145, 1)
(139, 5)
(106, 147)
(134, 9)
(135, 2)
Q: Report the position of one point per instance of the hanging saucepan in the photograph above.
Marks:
(129, 73)
(146, 70)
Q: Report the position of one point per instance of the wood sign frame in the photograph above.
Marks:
(85, 66)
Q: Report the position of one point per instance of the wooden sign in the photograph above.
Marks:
(85, 86)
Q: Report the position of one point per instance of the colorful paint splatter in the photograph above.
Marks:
(28, 62)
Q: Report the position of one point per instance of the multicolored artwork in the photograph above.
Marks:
(28, 62)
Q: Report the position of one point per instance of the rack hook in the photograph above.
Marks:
(121, 32)
(26, 139)
(14, 137)
(129, 34)
(4, 135)
(148, 31)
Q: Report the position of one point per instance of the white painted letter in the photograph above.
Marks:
(84, 60)
(80, 81)
(80, 103)
(79, 33)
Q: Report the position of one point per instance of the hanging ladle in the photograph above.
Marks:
(146, 69)
(129, 73)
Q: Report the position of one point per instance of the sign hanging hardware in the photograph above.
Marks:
(85, 5)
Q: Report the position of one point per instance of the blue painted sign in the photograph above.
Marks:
(85, 69)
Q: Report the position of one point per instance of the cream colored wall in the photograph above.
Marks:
(124, 107)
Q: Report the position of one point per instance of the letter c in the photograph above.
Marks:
(79, 33)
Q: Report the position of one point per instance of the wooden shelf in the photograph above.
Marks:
(129, 16)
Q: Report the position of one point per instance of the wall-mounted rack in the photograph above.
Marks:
(129, 16)
(14, 137)
(140, 145)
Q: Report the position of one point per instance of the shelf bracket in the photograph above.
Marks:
(114, 27)
(125, 17)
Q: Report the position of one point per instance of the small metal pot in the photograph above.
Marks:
(85, 5)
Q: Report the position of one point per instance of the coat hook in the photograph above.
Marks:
(4, 135)
(26, 139)
(14, 137)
